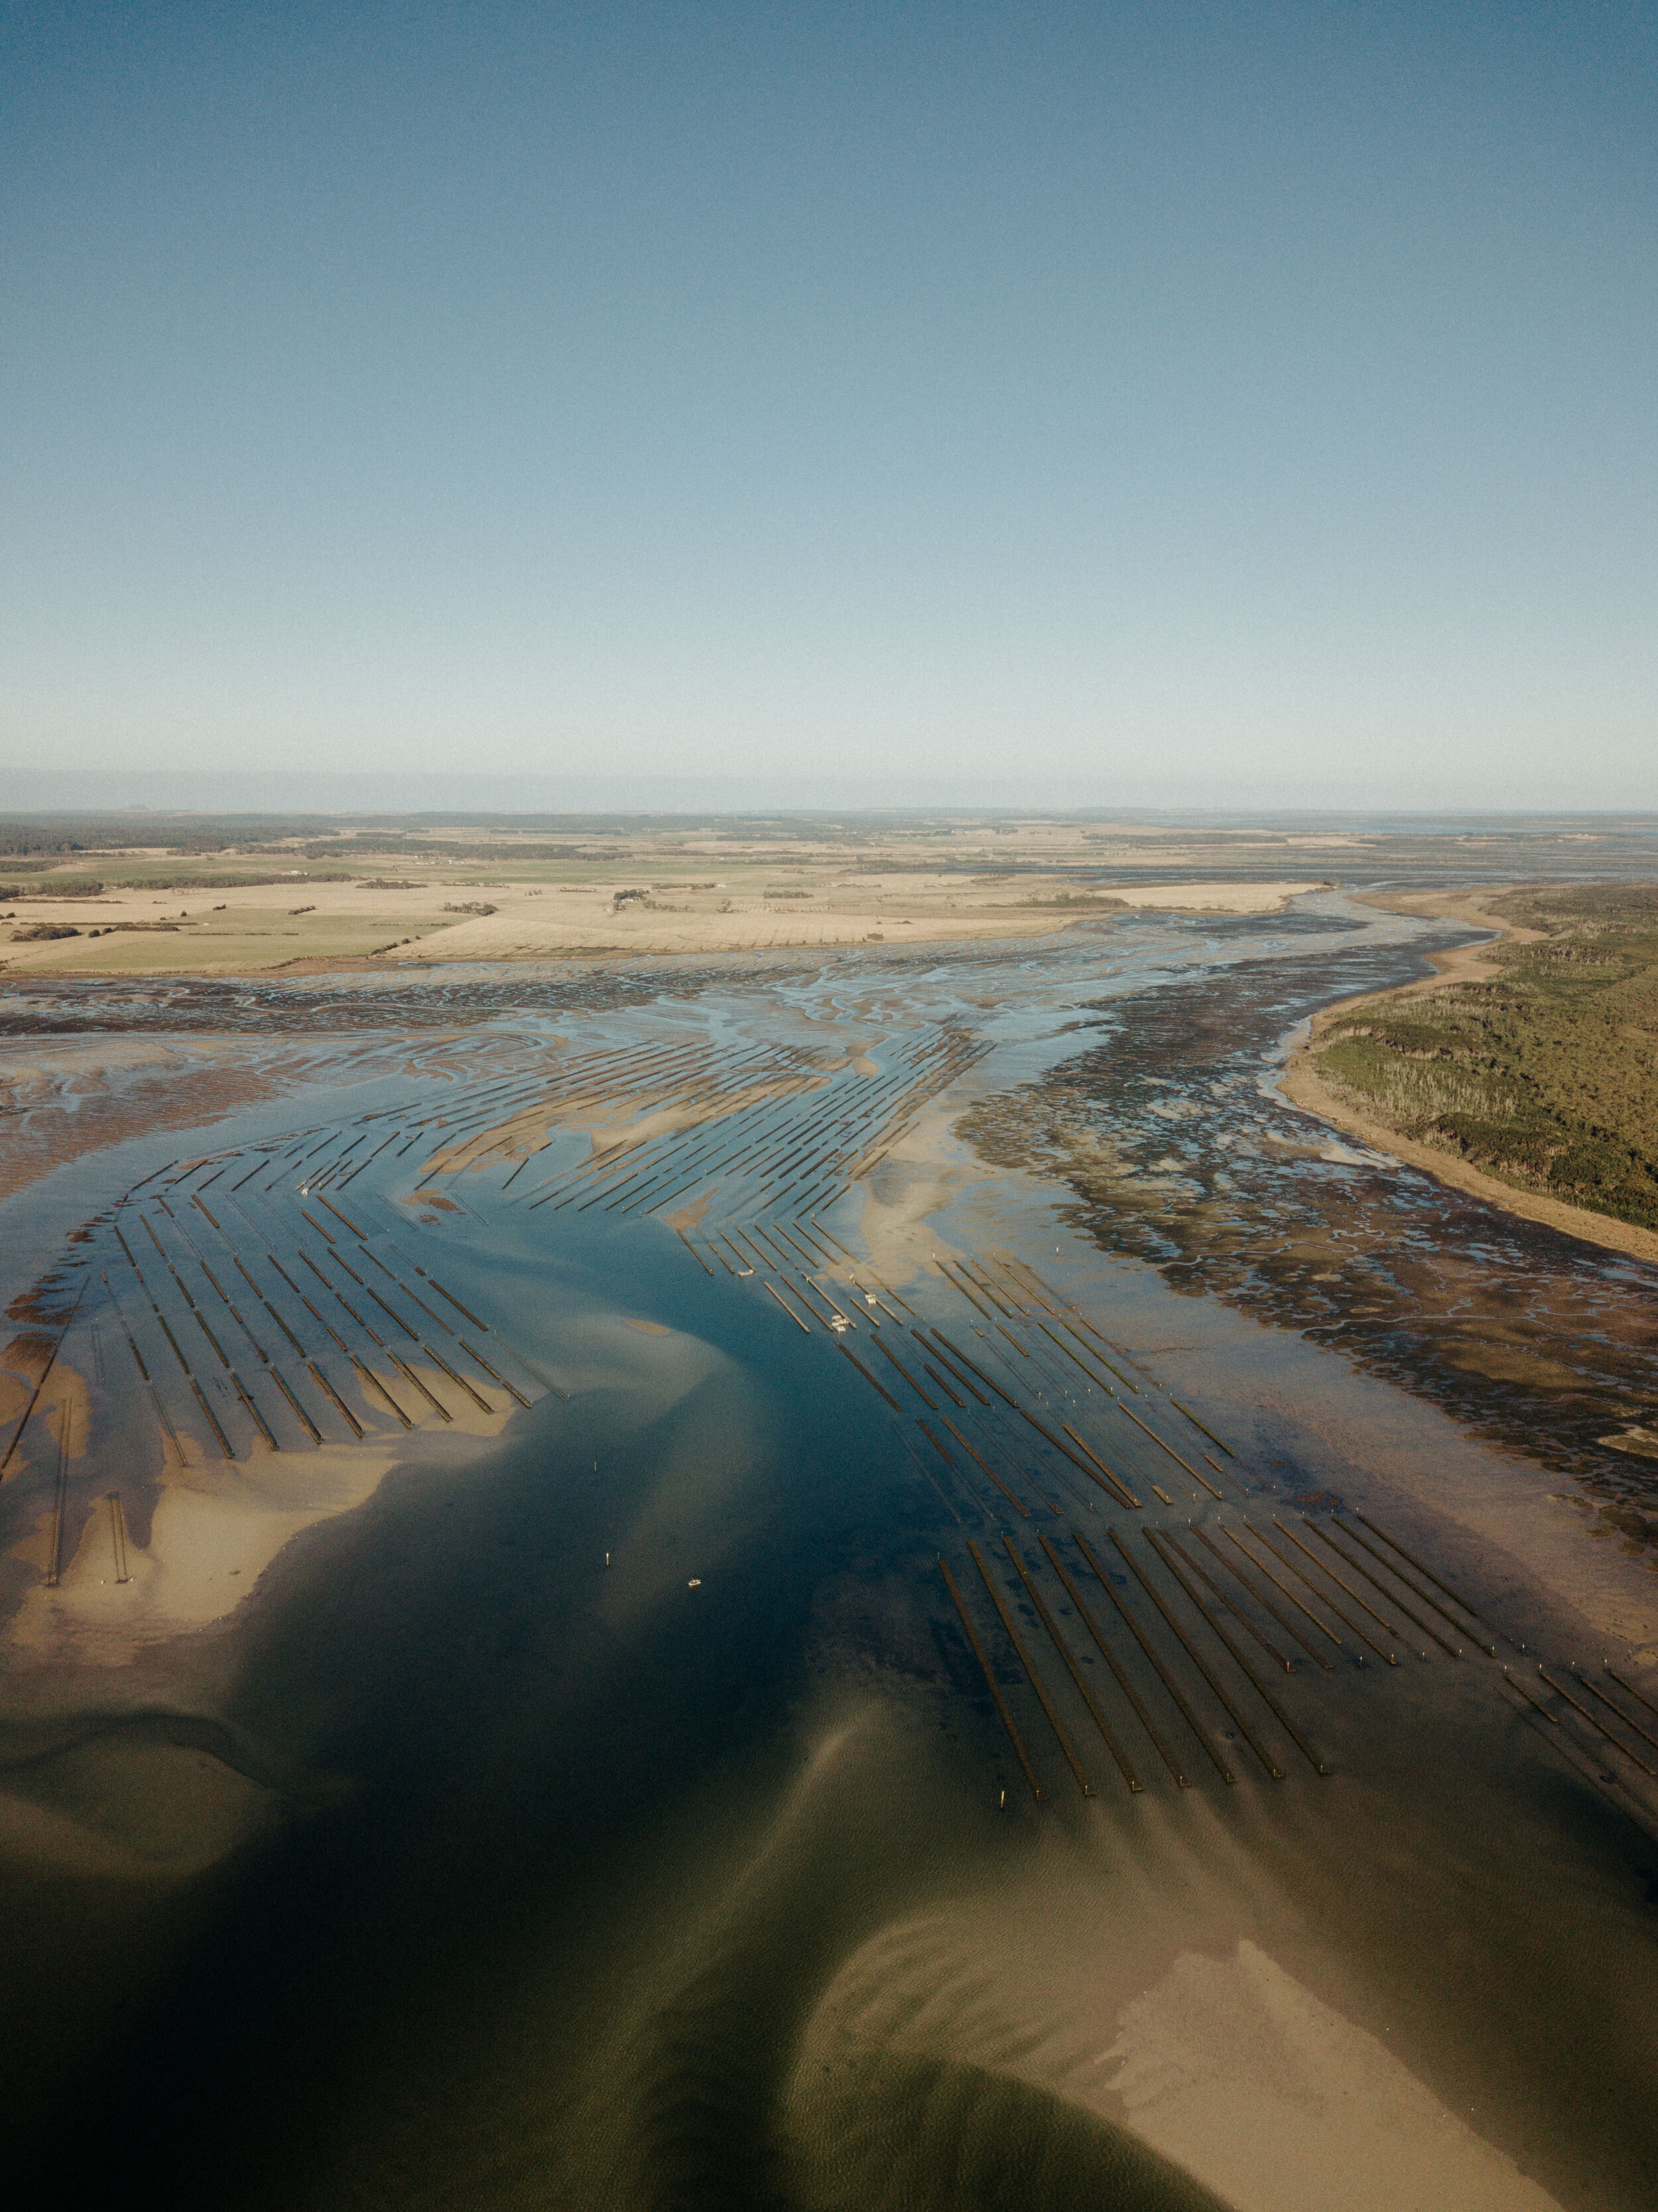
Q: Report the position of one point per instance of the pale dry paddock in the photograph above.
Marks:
(251, 928)
(875, 910)
(1214, 898)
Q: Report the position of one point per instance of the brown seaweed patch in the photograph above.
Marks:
(28, 1356)
(1176, 1156)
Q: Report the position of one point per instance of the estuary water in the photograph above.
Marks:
(812, 1585)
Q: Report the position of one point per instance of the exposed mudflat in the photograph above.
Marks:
(1181, 1152)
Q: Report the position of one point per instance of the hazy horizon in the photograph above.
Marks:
(297, 793)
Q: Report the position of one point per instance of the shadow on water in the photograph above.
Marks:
(451, 1651)
(553, 1933)
(499, 1715)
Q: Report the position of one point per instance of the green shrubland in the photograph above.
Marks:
(1545, 1075)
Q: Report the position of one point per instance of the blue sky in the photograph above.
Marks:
(1163, 403)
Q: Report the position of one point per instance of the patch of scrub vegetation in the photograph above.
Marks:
(56, 887)
(1545, 1075)
(212, 880)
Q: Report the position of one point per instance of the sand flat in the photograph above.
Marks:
(1214, 898)
(1237, 2073)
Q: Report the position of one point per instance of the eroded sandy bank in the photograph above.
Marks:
(1303, 1085)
